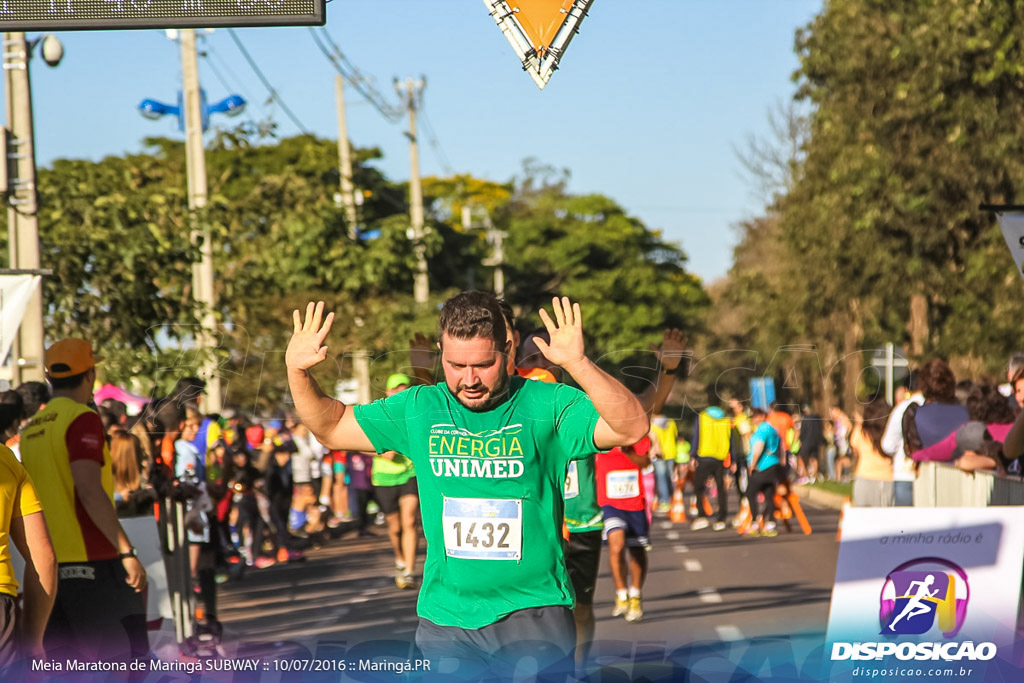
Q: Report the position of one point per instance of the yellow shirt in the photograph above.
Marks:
(46, 456)
(17, 499)
(667, 439)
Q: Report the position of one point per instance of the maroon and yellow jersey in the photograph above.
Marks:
(63, 432)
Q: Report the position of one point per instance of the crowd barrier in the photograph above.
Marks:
(944, 485)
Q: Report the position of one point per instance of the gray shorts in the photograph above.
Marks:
(540, 640)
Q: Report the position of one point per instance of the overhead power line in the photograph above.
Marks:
(353, 77)
(266, 84)
(442, 158)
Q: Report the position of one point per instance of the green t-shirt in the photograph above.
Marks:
(582, 513)
(490, 492)
(391, 472)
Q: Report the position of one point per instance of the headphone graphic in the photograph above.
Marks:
(951, 609)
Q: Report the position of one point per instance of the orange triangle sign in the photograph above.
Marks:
(539, 31)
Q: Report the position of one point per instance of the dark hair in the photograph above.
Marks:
(986, 404)
(13, 399)
(1016, 363)
(758, 412)
(937, 382)
(107, 416)
(1017, 376)
(65, 383)
(472, 315)
(116, 408)
(876, 415)
(9, 416)
(34, 395)
(508, 314)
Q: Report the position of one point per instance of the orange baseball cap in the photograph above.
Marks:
(70, 357)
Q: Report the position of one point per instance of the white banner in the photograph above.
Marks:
(1013, 230)
(15, 291)
(926, 590)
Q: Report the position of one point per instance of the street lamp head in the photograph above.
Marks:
(53, 51)
(232, 105)
(153, 110)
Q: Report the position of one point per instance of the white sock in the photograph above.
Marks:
(620, 595)
(634, 592)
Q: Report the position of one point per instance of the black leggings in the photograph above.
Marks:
(764, 481)
(711, 468)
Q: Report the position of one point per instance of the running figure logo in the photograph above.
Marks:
(915, 601)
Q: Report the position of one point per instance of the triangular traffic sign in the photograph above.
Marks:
(539, 31)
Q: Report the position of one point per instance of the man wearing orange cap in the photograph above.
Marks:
(99, 613)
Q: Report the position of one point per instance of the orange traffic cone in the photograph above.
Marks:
(743, 519)
(706, 504)
(798, 512)
(842, 511)
(677, 513)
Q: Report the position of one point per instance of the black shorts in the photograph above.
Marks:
(388, 496)
(582, 560)
(8, 633)
(545, 635)
(96, 616)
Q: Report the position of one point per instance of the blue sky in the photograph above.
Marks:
(650, 103)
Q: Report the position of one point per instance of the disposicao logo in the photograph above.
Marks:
(922, 594)
(919, 596)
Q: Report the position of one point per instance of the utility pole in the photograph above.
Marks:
(495, 238)
(22, 219)
(348, 199)
(411, 91)
(195, 160)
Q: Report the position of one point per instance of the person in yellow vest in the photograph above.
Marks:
(99, 613)
(664, 434)
(712, 440)
(22, 523)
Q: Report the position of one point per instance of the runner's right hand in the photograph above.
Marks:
(136, 573)
(305, 348)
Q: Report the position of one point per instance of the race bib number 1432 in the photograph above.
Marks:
(482, 528)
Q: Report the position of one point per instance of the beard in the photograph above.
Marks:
(494, 395)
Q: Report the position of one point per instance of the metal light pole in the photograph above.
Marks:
(22, 219)
(195, 160)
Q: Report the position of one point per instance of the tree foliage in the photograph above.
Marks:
(117, 234)
(917, 117)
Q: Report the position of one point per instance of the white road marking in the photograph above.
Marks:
(672, 535)
(729, 633)
(681, 548)
(666, 525)
(709, 595)
(693, 566)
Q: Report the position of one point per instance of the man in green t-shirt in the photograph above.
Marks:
(394, 483)
(491, 453)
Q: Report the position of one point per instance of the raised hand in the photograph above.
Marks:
(305, 348)
(566, 333)
(672, 349)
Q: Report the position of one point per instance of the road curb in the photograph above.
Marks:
(825, 499)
